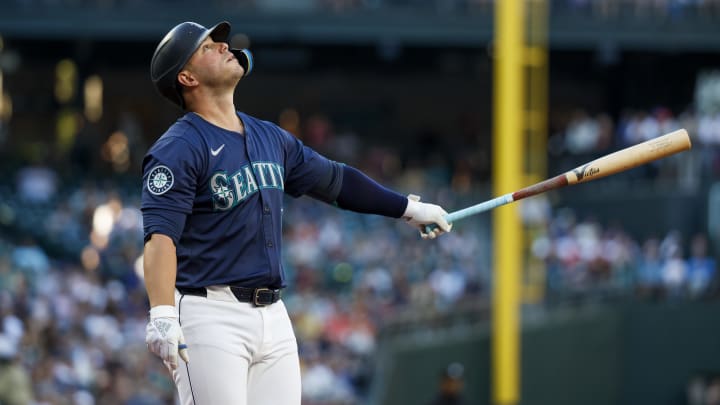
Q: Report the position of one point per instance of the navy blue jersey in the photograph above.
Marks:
(219, 195)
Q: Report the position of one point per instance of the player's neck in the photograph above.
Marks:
(222, 115)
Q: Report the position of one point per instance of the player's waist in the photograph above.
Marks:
(258, 296)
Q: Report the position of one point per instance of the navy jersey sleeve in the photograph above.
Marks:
(170, 173)
(304, 166)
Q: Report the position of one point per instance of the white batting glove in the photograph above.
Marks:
(419, 215)
(164, 336)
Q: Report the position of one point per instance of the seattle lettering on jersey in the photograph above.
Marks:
(230, 190)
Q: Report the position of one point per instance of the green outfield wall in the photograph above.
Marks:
(632, 354)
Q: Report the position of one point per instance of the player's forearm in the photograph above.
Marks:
(360, 193)
(160, 266)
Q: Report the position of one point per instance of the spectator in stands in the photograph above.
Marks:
(30, 259)
(674, 270)
(649, 270)
(701, 267)
(15, 386)
(582, 133)
(447, 283)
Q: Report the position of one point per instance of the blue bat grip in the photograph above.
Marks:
(474, 209)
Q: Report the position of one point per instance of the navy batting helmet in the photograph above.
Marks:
(175, 50)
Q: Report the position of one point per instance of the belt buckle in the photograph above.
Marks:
(256, 296)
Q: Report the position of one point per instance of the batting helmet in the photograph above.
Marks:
(175, 50)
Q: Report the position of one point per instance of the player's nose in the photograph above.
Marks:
(223, 47)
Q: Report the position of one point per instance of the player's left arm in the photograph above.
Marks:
(351, 189)
(312, 174)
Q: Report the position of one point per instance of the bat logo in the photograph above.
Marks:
(585, 171)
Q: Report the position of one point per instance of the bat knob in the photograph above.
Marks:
(430, 228)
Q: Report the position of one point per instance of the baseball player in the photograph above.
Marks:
(212, 200)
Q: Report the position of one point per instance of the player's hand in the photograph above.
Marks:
(419, 214)
(163, 336)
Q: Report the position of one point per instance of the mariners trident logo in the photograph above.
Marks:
(160, 180)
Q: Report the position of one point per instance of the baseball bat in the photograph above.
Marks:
(624, 159)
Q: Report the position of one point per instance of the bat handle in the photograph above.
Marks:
(473, 210)
(431, 227)
(450, 218)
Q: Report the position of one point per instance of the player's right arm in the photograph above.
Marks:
(160, 266)
(163, 333)
(169, 183)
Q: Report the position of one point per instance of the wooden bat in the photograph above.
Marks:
(624, 159)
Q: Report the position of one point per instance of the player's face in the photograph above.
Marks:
(215, 65)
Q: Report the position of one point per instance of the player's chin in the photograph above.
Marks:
(236, 66)
(233, 78)
(238, 72)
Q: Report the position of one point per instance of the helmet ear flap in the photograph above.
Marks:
(245, 58)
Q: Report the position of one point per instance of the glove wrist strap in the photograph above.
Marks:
(413, 206)
(163, 311)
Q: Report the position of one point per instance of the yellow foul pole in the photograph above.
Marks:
(508, 173)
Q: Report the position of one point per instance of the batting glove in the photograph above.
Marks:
(164, 336)
(419, 215)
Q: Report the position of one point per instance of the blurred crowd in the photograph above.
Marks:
(72, 304)
(588, 260)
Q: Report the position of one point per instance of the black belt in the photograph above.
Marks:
(259, 296)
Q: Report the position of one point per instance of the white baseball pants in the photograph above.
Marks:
(239, 354)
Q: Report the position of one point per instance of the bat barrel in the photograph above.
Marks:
(631, 157)
(628, 158)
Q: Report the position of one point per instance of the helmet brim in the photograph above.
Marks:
(219, 32)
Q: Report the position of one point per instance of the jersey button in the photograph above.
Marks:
(269, 244)
(266, 208)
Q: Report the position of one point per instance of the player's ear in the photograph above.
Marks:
(187, 78)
